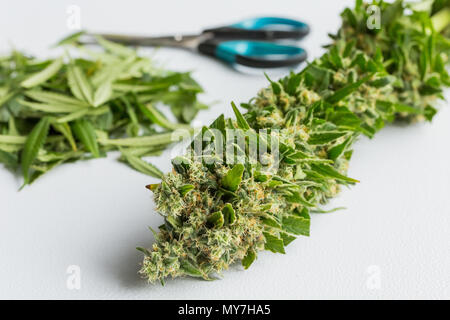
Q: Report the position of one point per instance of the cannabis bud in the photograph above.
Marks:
(221, 204)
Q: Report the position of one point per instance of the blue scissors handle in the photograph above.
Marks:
(255, 54)
(263, 28)
(253, 42)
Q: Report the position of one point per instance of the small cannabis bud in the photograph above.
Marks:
(223, 202)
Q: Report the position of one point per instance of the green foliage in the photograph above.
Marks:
(85, 132)
(248, 259)
(366, 79)
(233, 178)
(216, 219)
(34, 142)
(70, 109)
(229, 215)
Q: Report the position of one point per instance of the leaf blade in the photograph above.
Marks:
(85, 132)
(233, 178)
(34, 142)
(79, 84)
(43, 75)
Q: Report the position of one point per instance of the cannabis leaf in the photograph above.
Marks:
(34, 142)
(233, 178)
(66, 109)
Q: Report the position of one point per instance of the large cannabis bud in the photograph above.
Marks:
(223, 204)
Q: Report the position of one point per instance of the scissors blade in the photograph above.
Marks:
(183, 41)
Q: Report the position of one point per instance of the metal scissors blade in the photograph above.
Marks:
(181, 41)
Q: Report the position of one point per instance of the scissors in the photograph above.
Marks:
(253, 43)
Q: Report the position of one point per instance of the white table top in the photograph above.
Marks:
(393, 240)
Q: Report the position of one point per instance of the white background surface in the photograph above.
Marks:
(93, 214)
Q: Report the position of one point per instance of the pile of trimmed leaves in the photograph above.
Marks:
(65, 109)
(220, 212)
